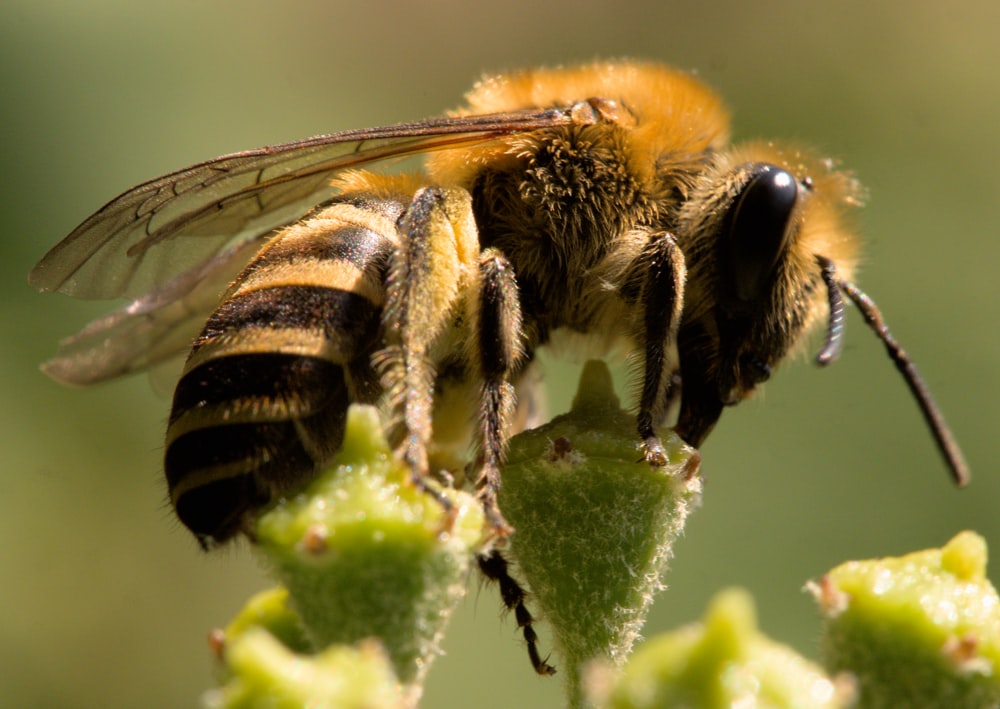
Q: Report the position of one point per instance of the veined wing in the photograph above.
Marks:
(173, 243)
(152, 329)
(172, 224)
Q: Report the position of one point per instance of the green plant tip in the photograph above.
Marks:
(920, 630)
(265, 673)
(269, 610)
(366, 554)
(722, 662)
(594, 525)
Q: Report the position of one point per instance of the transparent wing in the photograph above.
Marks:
(173, 243)
(152, 330)
(171, 224)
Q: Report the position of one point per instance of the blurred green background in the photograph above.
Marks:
(106, 602)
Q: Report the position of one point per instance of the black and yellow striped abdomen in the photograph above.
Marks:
(262, 403)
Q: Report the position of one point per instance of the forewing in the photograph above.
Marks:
(172, 224)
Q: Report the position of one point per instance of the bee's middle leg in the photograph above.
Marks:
(499, 349)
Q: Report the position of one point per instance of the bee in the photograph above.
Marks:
(603, 200)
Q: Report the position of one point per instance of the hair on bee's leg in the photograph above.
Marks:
(499, 350)
(662, 268)
(494, 567)
(438, 248)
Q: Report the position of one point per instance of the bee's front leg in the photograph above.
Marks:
(435, 262)
(662, 269)
(701, 404)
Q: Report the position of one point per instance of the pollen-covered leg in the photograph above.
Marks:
(436, 258)
(494, 567)
(662, 300)
(499, 349)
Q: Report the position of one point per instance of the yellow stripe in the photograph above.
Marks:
(242, 410)
(323, 273)
(257, 340)
(206, 476)
(350, 215)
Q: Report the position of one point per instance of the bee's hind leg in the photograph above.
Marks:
(428, 273)
(436, 266)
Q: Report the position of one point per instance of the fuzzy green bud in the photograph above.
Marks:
(921, 630)
(594, 524)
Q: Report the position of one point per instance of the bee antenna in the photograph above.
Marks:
(873, 317)
(834, 342)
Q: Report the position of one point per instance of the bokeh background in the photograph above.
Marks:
(106, 602)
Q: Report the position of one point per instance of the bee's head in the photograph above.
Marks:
(752, 230)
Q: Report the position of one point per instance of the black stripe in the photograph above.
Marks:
(216, 510)
(263, 448)
(350, 319)
(308, 381)
(389, 208)
(362, 247)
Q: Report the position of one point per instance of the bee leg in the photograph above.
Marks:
(701, 405)
(673, 395)
(494, 567)
(499, 351)
(438, 252)
(662, 300)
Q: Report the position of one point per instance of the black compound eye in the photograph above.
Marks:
(758, 228)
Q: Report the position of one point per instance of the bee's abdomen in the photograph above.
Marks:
(261, 426)
(262, 403)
